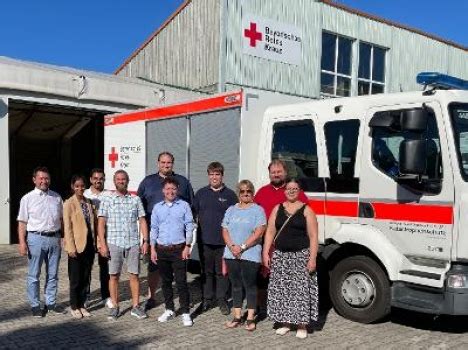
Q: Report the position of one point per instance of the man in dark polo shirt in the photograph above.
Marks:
(210, 204)
(150, 192)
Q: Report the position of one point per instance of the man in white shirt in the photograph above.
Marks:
(40, 232)
(96, 193)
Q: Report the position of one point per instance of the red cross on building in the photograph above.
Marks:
(113, 157)
(252, 34)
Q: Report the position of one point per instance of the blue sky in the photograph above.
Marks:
(446, 19)
(100, 34)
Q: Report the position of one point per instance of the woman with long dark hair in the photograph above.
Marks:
(79, 231)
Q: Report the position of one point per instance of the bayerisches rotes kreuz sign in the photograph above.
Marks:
(271, 40)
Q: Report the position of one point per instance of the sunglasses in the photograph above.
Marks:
(245, 191)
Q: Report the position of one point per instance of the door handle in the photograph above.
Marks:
(366, 210)
(7, 200)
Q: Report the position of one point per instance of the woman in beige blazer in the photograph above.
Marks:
(79, 220)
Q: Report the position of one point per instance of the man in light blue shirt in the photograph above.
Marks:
(171, 239)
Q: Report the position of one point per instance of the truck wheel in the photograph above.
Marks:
(360, 290)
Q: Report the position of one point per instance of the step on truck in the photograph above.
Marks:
(386, 174)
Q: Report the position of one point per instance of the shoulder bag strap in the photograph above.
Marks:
(286, 221)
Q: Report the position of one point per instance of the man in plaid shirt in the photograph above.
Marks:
(122, 216)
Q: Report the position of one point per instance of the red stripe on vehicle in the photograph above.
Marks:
(434, 214)
(218, 102)
(334, 208)
(424, 213)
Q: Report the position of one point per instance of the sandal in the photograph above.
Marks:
(76, 313)
(234, 323)
(248, 325)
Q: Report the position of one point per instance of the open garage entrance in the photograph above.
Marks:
(67, 140)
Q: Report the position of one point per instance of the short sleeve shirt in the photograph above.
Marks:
(270, 196)
(122, 214)
(241, 223)
(95, 198)
(41, 211)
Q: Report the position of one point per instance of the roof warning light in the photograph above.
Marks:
(441, 81)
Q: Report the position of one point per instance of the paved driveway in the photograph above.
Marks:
(18, 329)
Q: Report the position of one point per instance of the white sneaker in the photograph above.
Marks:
(187, 320)
(166, 316)
(109, 303)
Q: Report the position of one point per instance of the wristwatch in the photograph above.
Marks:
(243, 247)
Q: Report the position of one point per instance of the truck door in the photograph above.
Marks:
(295, 139)
(415, 213)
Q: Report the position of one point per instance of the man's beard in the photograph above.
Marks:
(277, 182)
(121, 188)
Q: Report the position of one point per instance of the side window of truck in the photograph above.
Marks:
(386, 149)
(341, 140)
(294, 142)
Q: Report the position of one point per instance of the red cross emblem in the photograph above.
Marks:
(252, 34)
(113, 157)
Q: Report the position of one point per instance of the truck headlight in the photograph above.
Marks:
(457, 281)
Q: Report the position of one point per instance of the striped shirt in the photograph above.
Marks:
(122, 213)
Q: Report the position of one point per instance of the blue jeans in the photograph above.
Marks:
(43, 250)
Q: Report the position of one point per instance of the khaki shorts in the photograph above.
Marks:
(119, 255)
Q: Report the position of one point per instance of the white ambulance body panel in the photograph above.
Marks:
(388, 237)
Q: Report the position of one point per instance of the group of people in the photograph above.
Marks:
(250, 241)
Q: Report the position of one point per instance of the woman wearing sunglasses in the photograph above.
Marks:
(243, 226)
(293, 290)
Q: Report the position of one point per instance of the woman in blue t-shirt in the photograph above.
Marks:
(243, 226)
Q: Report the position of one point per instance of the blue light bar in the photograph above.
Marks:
(441, 81)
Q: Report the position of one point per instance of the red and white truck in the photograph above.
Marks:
(386, 174)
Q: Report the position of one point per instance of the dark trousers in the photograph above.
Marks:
(171, 266)
(211, 259)
(104, 276)
(79, 274)
(243, 277)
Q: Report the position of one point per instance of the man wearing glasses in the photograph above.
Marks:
(96, 193)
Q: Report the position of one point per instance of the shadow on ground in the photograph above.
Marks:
(73, 334)
(443, 323)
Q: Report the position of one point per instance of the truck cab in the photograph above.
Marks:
(387, 177)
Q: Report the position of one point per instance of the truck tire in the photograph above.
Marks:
(360, 290)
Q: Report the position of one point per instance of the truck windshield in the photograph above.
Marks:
(459, 114)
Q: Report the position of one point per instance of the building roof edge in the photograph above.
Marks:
(153, 35)
(392, 23)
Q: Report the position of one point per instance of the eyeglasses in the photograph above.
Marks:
(245, 192)
(292, 190)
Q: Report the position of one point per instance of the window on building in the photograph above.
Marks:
(386, 148)
(294, 142)
(341, 140)
(371, 72)
(336, 65)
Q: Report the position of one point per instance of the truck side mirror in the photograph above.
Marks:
(413, 154)
(414, 120)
